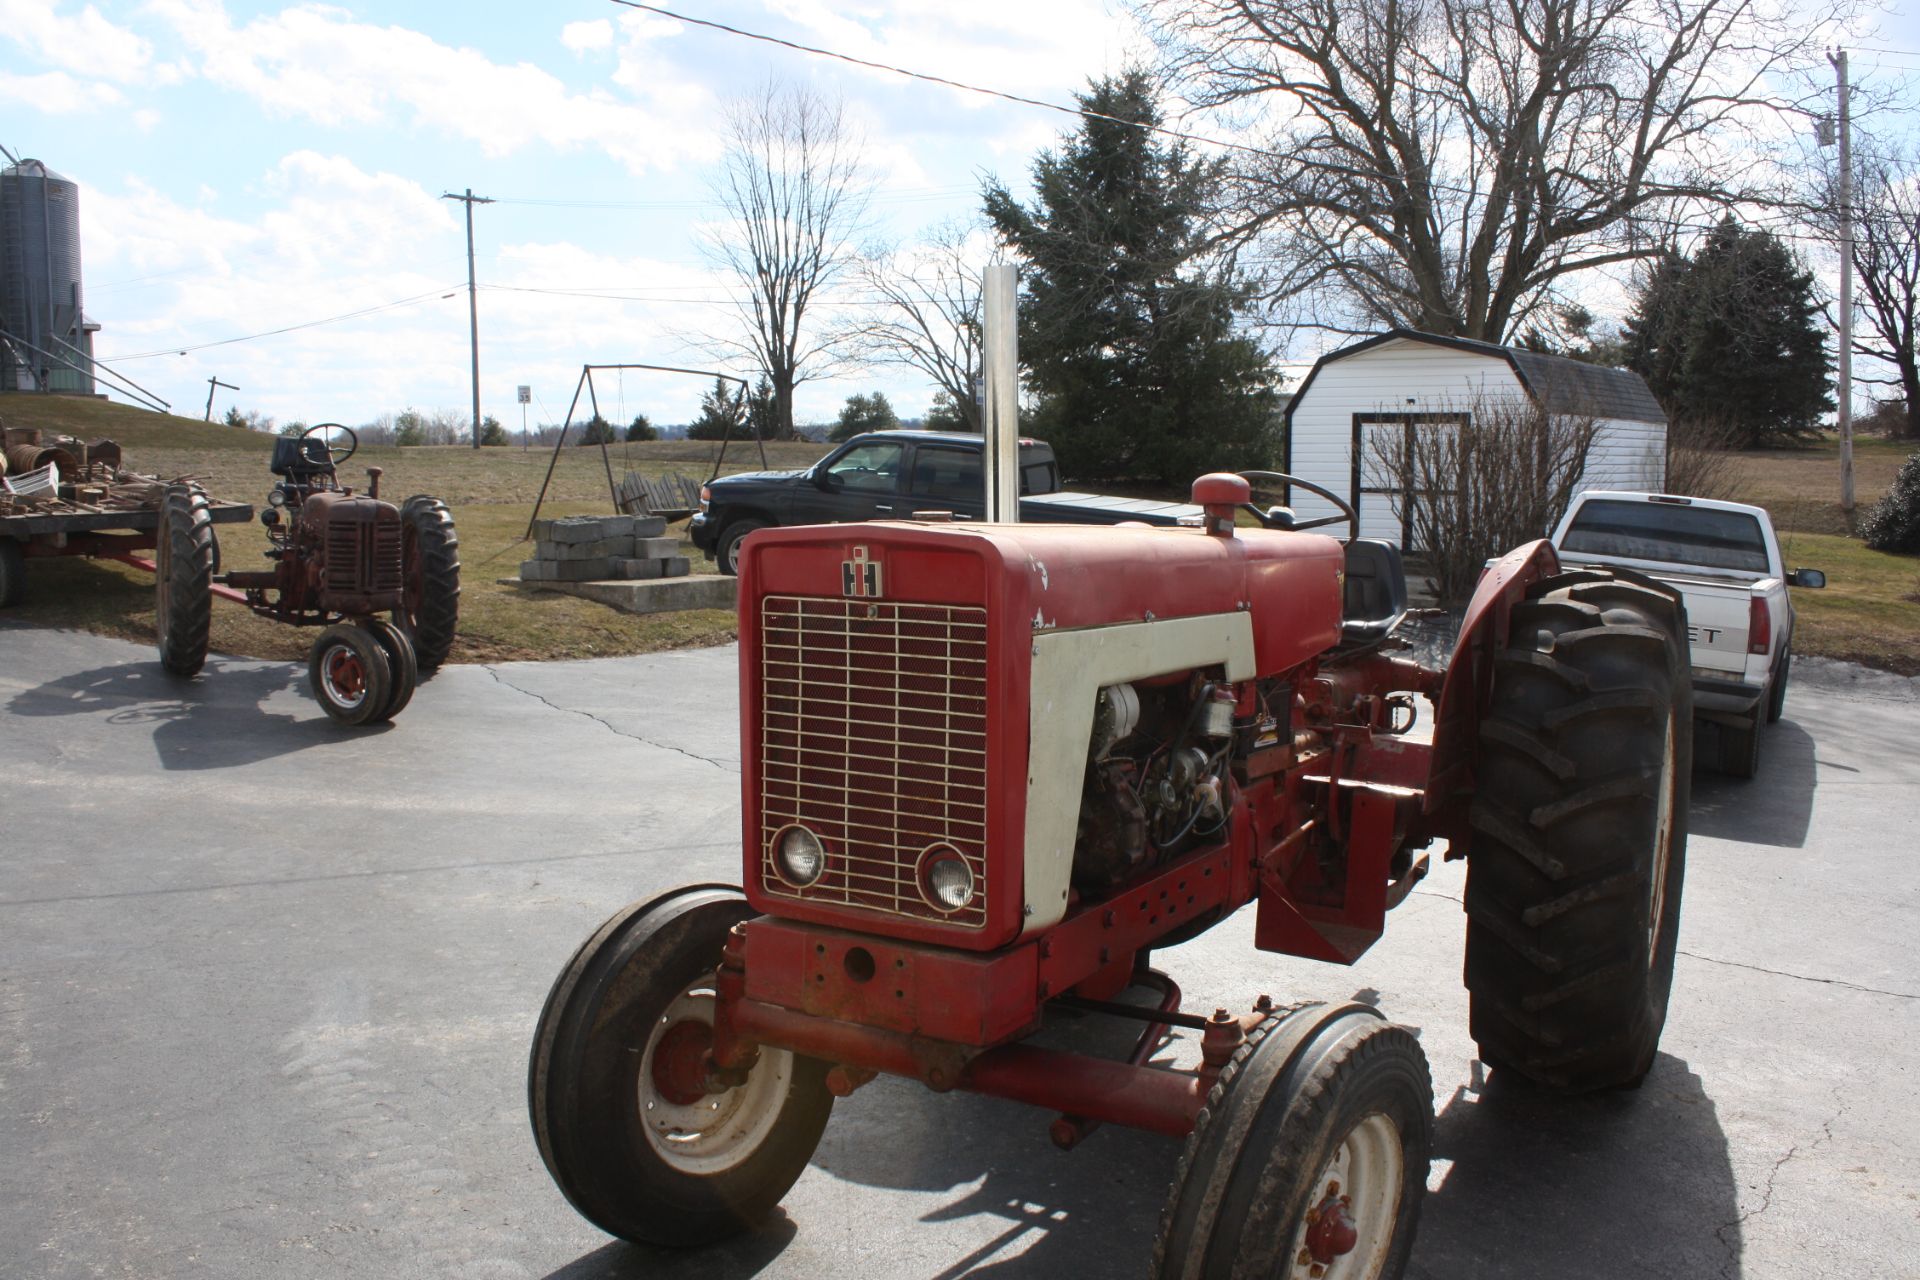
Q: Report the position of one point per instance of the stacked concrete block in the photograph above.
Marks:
(598, 548)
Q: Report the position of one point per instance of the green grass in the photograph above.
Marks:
(491, 492)
(1869, 611)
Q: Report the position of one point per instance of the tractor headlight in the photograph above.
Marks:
(799, 856)
(946, 881)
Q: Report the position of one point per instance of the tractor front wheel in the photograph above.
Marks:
(1580, 832)
(350, 675)
(430, 570)
(616, 1084)
(1310, 1158)
(401, 661)
(184, 556)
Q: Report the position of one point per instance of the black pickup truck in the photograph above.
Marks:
(891, 475)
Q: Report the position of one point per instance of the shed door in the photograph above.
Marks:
(1388, 451)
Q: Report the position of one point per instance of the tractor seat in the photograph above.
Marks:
(301, 458)
(1376, 592)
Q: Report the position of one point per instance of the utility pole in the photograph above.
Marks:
(1845, 416)
(211, 384)
(473, 305)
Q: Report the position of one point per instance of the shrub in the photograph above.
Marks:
(1894, 522)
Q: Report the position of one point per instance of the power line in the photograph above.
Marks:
(305, 324)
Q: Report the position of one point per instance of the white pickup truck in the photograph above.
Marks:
(1724, 559)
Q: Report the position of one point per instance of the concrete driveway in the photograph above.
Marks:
(266, 990)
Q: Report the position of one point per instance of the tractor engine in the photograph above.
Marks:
(348, 552)
(953, 732)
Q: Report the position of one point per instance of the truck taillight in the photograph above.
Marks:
(1759, 627)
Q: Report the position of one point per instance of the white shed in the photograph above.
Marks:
(1404, 380)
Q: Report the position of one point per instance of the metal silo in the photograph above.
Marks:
(40, 301)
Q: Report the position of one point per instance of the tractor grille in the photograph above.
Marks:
(874, 735)
(364, 558)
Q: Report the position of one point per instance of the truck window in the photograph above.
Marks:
(948, 473)
(1674, 534)
(870, 468)
(1038, 473)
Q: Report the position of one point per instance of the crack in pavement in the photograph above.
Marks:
(1803, 977)
(1731, 1269)
(607, 725)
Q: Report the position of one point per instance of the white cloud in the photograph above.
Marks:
(83, 42)
(318, 63)
(583, 37)
(57, 93)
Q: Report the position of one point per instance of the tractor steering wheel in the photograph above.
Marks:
(1347, 513)
(334, 454)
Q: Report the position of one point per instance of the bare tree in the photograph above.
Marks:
(796, 195)
(1444, 164)
(1700, 459)
(1479, 479)
(927, 312)
(1886, 264)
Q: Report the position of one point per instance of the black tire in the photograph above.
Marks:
(183, 580)
(13, 571)
(596, 1099)
(1777, 692)
(405, 668)
(727, 553)
(1740, 746)
(431, 614)
(347, 669)
(1301, 1094)
(1580, 832)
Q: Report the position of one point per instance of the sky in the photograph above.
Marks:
(246, 167)
(249, 167)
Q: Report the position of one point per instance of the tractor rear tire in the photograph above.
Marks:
(350, 675)
(431, 568)
(13, 571)
(613, 1085)
(183, 580)
(1580, 833)
(1330, 1106)
(401, 662)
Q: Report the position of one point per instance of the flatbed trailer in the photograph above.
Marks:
(127, 536)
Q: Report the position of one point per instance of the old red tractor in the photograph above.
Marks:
(340, 561)
(989, 768)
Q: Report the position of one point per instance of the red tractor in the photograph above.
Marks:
(990, 768)
(340, 561)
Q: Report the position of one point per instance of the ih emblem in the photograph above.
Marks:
(860, 576)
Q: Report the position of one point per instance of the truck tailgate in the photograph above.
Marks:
(1717, 615)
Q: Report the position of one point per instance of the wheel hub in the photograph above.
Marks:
(345, 678)
(680, 1063)
(694, 1131)
(1349, 1229)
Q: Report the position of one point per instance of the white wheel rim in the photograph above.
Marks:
(340, 696)
(722, 1130)
(1366, 1172)
(1662, 847)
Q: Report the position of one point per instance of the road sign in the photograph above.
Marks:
(526, 395)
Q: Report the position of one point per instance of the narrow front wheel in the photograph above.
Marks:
(617, 1083)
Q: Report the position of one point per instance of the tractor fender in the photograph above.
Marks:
(1468, 688)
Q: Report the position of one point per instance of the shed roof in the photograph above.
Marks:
(1558, 383)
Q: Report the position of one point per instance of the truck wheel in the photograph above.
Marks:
(350, 675)
(727, 554)
(401, 662)
(1310, 1157)
(1777, 692)
(615, 1083)
(1740, 747)
(183, 580)
(1580, 832)
(431, 571)
(13, 571)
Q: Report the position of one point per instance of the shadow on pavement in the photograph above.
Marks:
(737, 1259)
(1602, 1187)
(217, 721)
(1773, 808)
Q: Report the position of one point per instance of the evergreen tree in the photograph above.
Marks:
(597, 431)
(640, 429)
(862, 414)
(944, 415)
(1733, 335)
(492, 434)
(721, 412)
(763, 418)
(1127, 324)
